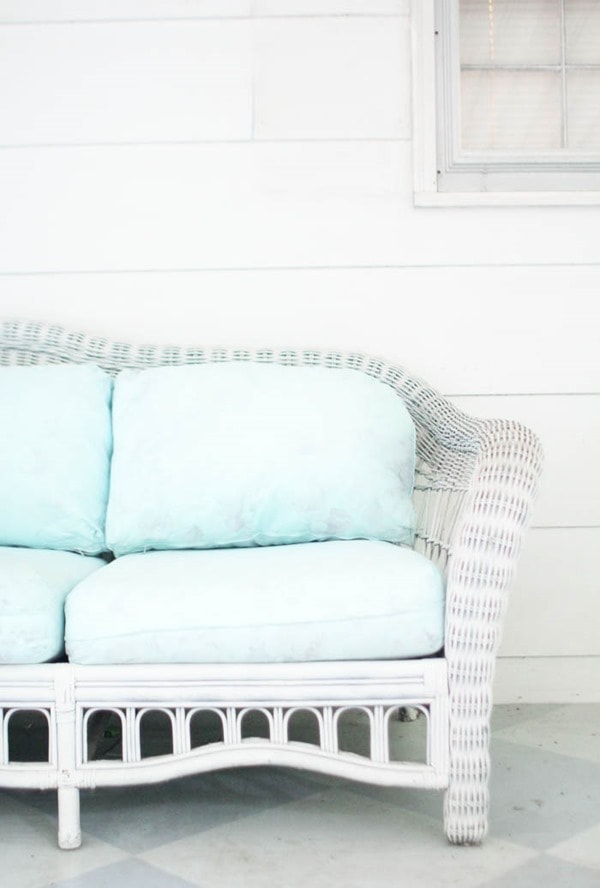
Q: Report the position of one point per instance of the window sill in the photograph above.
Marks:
(507, 198)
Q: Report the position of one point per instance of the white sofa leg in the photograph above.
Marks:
(69, 828)
(466, 813)
(466, 802)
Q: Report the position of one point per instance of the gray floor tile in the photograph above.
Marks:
(541, 798)
(570, 730)
(514, 714)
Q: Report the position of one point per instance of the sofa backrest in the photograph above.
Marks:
(447, 440)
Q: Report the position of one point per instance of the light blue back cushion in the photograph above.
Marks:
(243, 454)
(55, 450)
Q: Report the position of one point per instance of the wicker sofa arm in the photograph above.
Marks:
(487, 537)
(484, 551)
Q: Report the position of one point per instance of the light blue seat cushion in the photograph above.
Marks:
(243, 454)
(55, 450)
(33, 587)
(337, 600)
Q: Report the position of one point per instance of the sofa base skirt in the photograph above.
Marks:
(253, 713)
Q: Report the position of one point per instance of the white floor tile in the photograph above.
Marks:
(583, 848)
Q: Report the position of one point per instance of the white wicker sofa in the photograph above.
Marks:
(473, 484)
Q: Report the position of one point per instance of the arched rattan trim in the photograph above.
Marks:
(5, 718)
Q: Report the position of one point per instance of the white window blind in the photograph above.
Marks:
(517, 89)
(530, 75)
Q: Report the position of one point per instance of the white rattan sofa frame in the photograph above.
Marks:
(474, 485)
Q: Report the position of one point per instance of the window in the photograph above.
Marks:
(507, 101)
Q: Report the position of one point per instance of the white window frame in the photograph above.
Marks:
(425, 135)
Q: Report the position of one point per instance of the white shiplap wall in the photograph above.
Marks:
(239, 172)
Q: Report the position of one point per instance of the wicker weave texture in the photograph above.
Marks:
(474, 486)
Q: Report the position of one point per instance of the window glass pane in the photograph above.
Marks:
(583, 100)
(510, 32)
(582, 25)
(511, 110)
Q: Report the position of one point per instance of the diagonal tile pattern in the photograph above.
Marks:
(334, 838)
(28, 853)
(263, 827)
(583, 848)
(550, 873)
(131, 873)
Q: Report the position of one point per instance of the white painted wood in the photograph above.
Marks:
(554, 607)
(249, 205)
(312, 79)
(331, 7)
(229, 205)
(113, 10)
(487, 236)
(378, 310)
(569, 428)
(424, 160)
(342, 682)
(69, 829)
(506, 198)
(125, 82)
(196, 205)
(273, 689)
(547, 680)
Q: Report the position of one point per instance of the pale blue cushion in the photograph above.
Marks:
(339, 600)
(33, 587)
(54, 456)
(243, 454)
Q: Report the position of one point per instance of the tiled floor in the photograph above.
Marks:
(266, 828)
